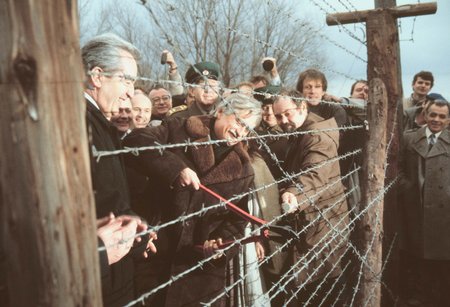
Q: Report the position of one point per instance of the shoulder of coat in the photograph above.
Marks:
(176, 109)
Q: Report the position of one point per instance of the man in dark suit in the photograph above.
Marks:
(425, 205)
(111, 68)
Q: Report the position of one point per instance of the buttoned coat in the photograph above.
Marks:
(425, 197)
(321, 245)
(229, 176)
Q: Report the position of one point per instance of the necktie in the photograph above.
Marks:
(431, 141)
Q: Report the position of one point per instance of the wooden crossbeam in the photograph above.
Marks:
(407, 10)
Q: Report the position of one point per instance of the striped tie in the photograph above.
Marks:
(431, 141)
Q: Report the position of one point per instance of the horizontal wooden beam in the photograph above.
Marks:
(399, 11)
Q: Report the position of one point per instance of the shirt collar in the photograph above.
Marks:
(428, 133)
(91, 100)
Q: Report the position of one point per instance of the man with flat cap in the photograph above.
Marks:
(204, 86)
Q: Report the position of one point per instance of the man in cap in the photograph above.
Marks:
(414, 117)
(204, 86)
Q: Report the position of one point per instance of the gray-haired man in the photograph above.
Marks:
(111, 68)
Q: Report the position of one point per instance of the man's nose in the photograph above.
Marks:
(130, 91)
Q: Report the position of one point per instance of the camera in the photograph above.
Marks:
(268, 65)
(163, 58)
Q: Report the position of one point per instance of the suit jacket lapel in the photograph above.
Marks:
(420, 143)
(441, 146)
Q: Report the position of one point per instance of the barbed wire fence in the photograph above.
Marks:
(337, 238)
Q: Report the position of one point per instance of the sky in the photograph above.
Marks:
(424, 43)
(429, 50)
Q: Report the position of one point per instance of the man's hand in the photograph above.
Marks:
(289, 201)
(274, 70)
(329, 97)
(260, 253)
(141, 227)
(116, 236)
(211, 248)
(189, 177)
(170, 61)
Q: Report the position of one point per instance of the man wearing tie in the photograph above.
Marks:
(425, 205)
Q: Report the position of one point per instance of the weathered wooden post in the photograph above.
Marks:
(48, 242)
(369, 227)
(383, 63)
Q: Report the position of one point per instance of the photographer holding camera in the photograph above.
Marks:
(269, 65)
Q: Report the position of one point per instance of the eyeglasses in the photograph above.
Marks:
(124, 78)
(165, 98)
(287, 113)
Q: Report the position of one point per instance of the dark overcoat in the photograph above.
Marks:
(328, 214)
(111, 195)
(425, 197)
(229, 176)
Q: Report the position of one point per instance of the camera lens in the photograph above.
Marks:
(268, 65)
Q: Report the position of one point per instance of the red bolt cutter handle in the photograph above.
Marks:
(245, 215)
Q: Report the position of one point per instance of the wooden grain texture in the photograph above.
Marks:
(399, 11)
(48, 242)
(369, 227)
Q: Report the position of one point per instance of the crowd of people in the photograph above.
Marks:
(304, 182)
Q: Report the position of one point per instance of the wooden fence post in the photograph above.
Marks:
(48, 243)
(370, 227)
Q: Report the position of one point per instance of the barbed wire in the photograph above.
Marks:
(256, 40)
(341, 26)
(338, 262)
(388, 255)
(237, 242)
(290, 277)
(374, 201)
(203, 210)
(242, 279)
(349, 7)
(312, 31)
(333, 285)
(98, 154)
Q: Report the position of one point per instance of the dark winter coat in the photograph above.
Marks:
(229, 176)
(111, 195)
(329, 206)
(425, 202)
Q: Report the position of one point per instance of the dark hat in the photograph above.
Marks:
(267, 94)
(202, 70)
(435, 96)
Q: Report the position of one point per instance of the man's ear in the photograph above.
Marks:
(302, 107)
(96, 77)
(191, 90)
(219, 113)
